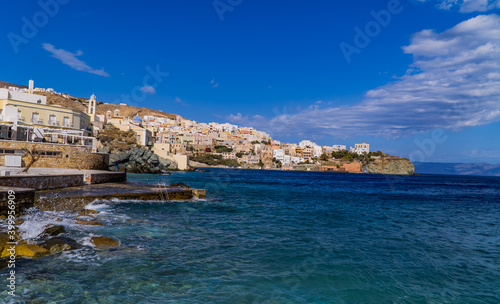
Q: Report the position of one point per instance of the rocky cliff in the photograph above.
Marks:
(391, 165)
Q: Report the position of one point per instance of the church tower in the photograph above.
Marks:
(92, 107)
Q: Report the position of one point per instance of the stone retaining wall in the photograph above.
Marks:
(71, 157)
(24, 199)
(112, 177)
(43, 182)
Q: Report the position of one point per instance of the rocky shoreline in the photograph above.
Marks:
(42, 230)
(52, 240)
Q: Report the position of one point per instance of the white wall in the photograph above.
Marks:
(20, 96)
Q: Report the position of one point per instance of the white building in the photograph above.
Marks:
(296, 160)
(279, 154)
(360, 148)
(317, 151)
(339, 147)
(306, 143)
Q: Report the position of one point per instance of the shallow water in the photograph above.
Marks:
(283, 237)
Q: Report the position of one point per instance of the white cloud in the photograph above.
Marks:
(148, 89)
(467, 6)
(180, 101)
(213, 84)
(70, 59)
(453, 83)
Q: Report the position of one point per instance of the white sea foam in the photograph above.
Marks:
(98, 205)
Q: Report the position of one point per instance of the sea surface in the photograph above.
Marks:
(281, 237)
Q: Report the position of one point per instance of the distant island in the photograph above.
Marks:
(483, 169)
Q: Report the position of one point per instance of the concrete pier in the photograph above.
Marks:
(79, 197)
(70, 189)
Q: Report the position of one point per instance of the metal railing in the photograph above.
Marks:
(163, 191)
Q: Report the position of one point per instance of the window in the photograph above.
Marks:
(34, 118)
(10, 151)
(51, 153)
(52, 120)
(5, 132)
(66, 121)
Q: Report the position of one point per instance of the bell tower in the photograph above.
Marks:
(92, 107)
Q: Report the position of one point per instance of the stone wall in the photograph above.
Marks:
(71, 157)
(24, 199)
(350, 168)
(112, 177)
(43, 182)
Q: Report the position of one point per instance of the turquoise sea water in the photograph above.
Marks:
(283, 237)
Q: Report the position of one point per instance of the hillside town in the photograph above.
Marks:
(25, 116)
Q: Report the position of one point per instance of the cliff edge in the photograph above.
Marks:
(388, 164)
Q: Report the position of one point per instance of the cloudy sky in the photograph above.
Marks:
(414, 78)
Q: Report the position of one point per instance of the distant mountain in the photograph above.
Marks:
(457, 168)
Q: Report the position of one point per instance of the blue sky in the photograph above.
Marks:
(415, 78)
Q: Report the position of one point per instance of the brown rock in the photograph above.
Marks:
(87, 212)
(180, 185)
(30, 251)
(103, 242)
(60, 244)
(5, 238)
(52, 231)
(19, 221)
(6, 253)
(92, 223)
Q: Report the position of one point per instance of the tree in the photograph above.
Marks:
(324, 157)
(35, 156)
(261, 164)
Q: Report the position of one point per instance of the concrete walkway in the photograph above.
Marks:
(48, 171)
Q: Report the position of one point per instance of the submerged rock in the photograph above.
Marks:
(87, 212)
(60, 244)
(4, 262)
(52, 231)
(103, 242)
(90, 223)
(180, 185)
